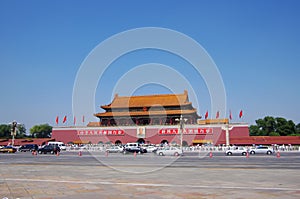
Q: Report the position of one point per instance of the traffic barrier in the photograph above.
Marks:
(247, 154)
(134, 154)
(106, 153)
(210, 155)
(79, 153)
(57, 153)
(278, 154)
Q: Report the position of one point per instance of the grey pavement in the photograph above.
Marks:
(148, 176)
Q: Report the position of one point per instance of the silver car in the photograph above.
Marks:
(169, 151)
(114, 149)
(262, 150)
(236, 151)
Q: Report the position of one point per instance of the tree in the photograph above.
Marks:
(21, 131)
(41, 131)
(285, 127)
(270, 126)
(274, 134)
(5, 131)
(261, 124)
(298, 128)
(254, 130)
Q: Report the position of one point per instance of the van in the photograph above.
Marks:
(61, 145)
(132, 145)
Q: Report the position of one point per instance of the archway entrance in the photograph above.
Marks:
(118, 142)
(164, 142)
(141, 141)
(185, 143)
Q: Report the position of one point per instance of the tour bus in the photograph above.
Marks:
(61, 145)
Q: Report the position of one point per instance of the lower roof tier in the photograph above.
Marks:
(148, 113)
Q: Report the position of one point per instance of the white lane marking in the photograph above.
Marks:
(152, 185)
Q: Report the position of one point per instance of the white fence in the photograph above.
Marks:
(103, 147)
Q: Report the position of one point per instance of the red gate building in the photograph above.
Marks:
(151, 119)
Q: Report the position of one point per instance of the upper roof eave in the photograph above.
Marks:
(165, 100)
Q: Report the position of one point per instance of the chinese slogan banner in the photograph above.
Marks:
(100, 132)
(187, 131)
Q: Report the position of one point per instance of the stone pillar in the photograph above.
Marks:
(227, 135)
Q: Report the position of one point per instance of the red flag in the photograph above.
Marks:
(65, 119)
(217, 115)
(241, 114)
(230, 115)
(206, 115)
(83, 119)
(56, 120)
(74, 120)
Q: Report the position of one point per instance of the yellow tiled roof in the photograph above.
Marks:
(149, 101)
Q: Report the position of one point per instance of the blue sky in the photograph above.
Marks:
(255, 45)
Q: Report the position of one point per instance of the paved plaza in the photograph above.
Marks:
(148, 176)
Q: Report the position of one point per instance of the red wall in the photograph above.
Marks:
(67, 135)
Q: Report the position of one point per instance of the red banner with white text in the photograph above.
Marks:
(187, 131)
(100, 132)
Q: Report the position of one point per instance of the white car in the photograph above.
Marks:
(61, 145)
(236, 151)
(169, 151)
(114, 149)
(262, 150)
(150, 148)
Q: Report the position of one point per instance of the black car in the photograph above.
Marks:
(28, 147)
(138, 150)
(49, 149)
(133, 147)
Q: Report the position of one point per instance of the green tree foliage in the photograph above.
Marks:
(41, 131)
(270, 126)
(298, 128)
(21, 131)
(5, 131)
